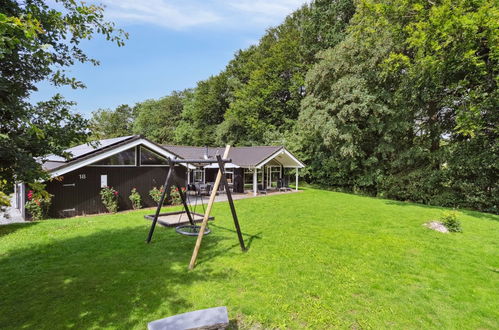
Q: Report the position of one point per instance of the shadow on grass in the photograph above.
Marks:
(13, 227)
(110, 278)
(247, 241)
(476, 214)
(223, 251)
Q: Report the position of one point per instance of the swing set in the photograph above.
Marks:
(188, 227)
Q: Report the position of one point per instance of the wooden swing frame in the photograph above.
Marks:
(171, 180)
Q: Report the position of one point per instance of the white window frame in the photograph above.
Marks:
(270, 171)
(202, 171)
(231, 176)
(150, 165)
(91, 160)
(134, 160)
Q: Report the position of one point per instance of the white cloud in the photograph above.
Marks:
(168, 14)
(267, 8)
(176, 14)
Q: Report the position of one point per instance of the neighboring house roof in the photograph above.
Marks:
(255, 156)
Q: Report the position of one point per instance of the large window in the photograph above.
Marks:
(198, 175)
(273, 176)
(248, 178)
(148, 157)
(124, 158)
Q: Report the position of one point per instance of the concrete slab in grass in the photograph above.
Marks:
(210, 318)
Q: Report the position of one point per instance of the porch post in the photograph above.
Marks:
(255, 181)
(15, 197)
(188, 175)
(296, 187)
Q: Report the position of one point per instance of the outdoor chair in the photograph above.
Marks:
(262, 190)
(204, 189)
(282, 185)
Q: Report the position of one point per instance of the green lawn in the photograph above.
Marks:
(316, 259)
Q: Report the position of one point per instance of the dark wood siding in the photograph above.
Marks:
(78, 192)
(239, 180)
(210, 174)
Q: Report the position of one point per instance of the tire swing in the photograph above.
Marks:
(192, 229)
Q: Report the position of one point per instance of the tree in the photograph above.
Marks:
(270, 76)
(37, 42)
(203, 111)
(158, 119)
(107, 123)
(270, 100)
(349, 132)
(404, 106)
(323, 26)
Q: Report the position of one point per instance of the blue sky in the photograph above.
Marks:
(172, 45)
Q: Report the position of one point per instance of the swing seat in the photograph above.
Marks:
(190, 230)
(177, 218)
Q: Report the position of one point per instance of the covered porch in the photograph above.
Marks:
(249, 172)
(276, 173)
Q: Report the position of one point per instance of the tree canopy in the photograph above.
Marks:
(38, 42)
(396, 99)
(395, 107)
(158, 119)
(107, 123)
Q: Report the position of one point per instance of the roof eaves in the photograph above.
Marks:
(96, 152)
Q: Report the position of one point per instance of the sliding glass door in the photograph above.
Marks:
(274, 173)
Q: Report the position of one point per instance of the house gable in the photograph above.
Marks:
(101, 154)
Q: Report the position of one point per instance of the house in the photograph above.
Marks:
(136, 162)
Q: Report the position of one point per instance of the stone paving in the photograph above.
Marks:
(235, 196)
(10, 215)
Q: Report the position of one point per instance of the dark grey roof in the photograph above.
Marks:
(241, 156)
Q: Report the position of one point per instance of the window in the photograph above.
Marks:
(148, 157)
(273, 176)
(103, 180)
(124, 158)
(248, 178)
(229, 176)
(198, 175)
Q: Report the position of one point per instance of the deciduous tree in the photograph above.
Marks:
(38, 40)
(107, 123)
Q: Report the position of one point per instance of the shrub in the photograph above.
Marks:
(449, 219)
(4, 198)
(136, 199)
(39, 201)
(109, 198)
(155, 194)
(175, 195)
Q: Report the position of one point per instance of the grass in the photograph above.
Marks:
(316, 259)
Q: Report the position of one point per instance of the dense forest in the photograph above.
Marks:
(396, 99)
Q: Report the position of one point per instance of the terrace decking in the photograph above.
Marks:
(236, 196)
